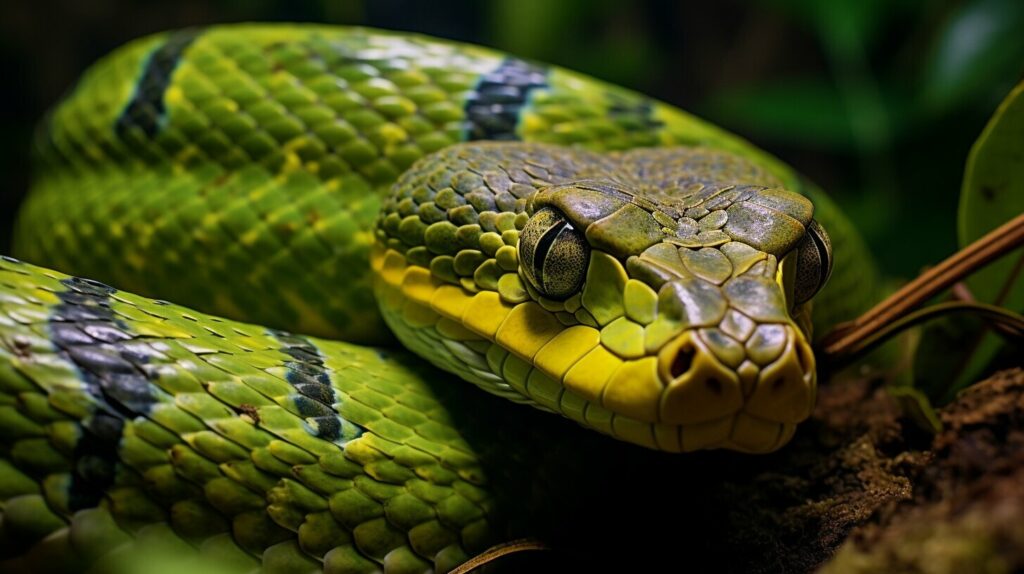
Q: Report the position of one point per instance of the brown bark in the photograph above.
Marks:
(966, 511)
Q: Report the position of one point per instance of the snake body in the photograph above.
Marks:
(297, 176)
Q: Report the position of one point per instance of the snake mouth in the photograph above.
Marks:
(775, 380)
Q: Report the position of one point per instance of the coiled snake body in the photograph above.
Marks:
(602, 256)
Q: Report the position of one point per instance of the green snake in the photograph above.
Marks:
(601, 255)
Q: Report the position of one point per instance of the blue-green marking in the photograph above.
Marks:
(86, 333)
(316, 397)
(494, 107)
(146, 110)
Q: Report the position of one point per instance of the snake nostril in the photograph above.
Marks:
(681, 363)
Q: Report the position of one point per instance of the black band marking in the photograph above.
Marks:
(493, 109)
(316, 398)
(633, 115)
(146, 109)
(86, 332)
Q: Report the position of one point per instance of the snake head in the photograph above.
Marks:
(653, 295)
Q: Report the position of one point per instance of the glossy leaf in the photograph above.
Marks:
(944, 349)
(993, 193)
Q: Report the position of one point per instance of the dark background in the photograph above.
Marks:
(877, 100)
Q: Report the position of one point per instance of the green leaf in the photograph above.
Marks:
(917, 406)
(979, 47)
(992, 194)
(993, 190)
(954, 352)
(943, 350)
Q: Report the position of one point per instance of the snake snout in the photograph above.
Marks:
(706, 377)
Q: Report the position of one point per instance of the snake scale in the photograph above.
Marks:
(550, 238)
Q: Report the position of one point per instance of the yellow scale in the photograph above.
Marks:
(545, 351)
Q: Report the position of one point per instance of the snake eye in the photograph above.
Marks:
(813, 263)
(553, 254)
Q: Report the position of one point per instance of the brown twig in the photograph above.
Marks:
(497, 552)
(846, 339)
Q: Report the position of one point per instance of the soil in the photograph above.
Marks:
(965, 512)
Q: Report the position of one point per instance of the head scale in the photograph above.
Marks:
(650, 295)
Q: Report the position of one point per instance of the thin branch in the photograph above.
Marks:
(497, 552)
(845, 339)
(1013, 323)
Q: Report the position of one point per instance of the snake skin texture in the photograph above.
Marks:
(259, 440)
(280, 175)
(134, 430)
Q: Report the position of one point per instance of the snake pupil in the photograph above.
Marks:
(544, 246)
(554, 254)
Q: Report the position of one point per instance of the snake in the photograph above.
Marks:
(352, 224)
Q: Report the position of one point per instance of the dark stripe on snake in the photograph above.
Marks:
(87, 334)
(633, 114)
(316, 397)
(493, 108)
(145, 111)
